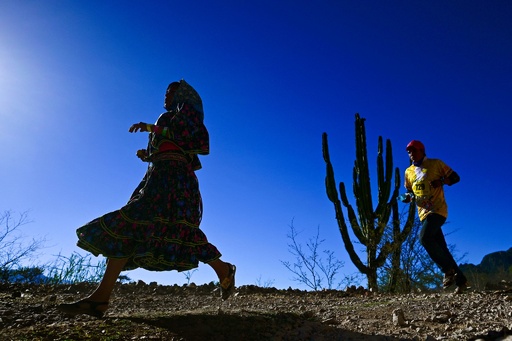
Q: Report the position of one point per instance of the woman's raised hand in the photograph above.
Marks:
(141, 126)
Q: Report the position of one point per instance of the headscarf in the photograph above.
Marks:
(191, 124)
(187, 94)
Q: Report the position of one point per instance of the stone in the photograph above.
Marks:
(398, 318)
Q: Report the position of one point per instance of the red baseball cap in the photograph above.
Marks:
(414, 144)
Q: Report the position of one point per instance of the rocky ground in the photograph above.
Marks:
(152, 312)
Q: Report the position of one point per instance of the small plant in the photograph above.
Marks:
(309, 267)
(264, 284)
(417, 271)
(188, 275)
(26, 275)
(74, 269)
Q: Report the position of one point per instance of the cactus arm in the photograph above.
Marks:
(361, 185)
(384, 176)
(332, 194)
(363, 239)
(362, 176)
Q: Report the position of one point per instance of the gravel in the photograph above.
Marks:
(140, 311)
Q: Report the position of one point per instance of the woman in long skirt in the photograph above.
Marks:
(158, 229)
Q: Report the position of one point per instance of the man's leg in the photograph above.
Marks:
(432, 239)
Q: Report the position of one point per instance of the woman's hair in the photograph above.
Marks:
(174, 85)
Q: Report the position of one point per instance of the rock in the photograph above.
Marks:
(330, 321)
(51, 298)
(398, 318)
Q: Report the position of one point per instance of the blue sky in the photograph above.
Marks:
(273, 76)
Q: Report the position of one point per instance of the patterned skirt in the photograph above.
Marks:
(158, 229)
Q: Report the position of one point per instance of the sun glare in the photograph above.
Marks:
(18, 96)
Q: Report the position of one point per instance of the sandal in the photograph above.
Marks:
(227, 286)
(461, 288)
(83, 307)
(462, 283)
(449, 279)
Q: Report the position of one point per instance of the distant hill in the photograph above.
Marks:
(500, 261)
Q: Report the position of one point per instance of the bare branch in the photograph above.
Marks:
(310, 268)
(14, 249)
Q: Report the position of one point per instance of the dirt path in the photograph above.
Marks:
(154, 312)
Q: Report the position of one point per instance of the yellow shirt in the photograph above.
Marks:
(417, 180)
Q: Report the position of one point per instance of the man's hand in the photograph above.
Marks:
(405, 198)
(141, 126)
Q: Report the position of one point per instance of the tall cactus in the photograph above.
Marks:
(369, 224)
